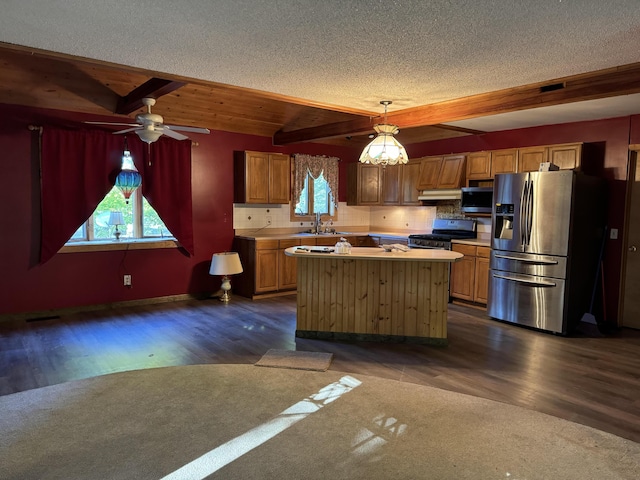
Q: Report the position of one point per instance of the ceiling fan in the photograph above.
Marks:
(149, 126)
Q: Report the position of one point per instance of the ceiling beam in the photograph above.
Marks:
(154, 88)
(611, 82)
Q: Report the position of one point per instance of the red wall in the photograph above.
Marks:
(77, 279)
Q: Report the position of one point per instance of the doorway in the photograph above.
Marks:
(631, 285)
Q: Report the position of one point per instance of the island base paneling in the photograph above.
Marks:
(344, 298)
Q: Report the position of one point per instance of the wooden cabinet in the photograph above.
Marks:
(504, 161)
(267, 270)
(530, 158)
(263, 178)
(369, 185)
(363, 184)
(470, 275)
(478, 166)
(481, 287)
(566, 156)
(441, 172)
(410, 178)
(391, 184)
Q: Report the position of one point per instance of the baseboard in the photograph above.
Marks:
(54, 313)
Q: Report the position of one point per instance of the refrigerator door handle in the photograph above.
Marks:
(523, 214)
(532, 283)
(527, 260)
(530, 212)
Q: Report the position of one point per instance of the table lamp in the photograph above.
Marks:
(225, 264)
(116, 218)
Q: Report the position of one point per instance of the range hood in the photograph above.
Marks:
(441, 194)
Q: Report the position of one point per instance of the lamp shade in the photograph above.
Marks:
(384, 149)
(226, 263)
(116, 218)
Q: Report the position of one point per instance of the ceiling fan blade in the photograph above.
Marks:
(188, 129)
(137, 127)
(172, 134)
(119, 124)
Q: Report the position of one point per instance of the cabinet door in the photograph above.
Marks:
(481, 288)
(279, 178)
(429, 172)
(391, 184)
(266, 270)
(410, 178)
(368, 184)
(479, 166)
(566, 156)
(504, 161)
(287, 266)
(529, 159)
(462, 278)
(257, 177)
(463, 273)
(451, 172)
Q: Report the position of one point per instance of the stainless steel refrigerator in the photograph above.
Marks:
(546, 232)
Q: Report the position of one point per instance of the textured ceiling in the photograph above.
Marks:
(347, 53)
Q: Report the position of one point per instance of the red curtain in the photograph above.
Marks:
(78, 168)
(166, 184)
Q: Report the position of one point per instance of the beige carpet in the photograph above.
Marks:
(243, 422)
(301, 360)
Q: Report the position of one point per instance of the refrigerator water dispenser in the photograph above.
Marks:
(503, 219)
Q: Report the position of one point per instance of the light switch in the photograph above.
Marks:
(614, 234)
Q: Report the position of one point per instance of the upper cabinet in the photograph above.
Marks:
(363, 184)
(262, 178)
(483, 166)
(504, 161)
(377, 185)
(441, 172)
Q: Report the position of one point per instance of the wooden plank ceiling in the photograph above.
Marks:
(49, 80)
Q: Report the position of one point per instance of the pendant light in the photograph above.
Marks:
(128, 179)
(384, 149)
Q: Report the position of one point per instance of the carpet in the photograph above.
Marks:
(237, 422)
(300, 360)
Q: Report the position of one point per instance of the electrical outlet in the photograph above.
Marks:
(268, 220)
(127, 280)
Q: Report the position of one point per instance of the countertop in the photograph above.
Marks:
(378, 253)
(336, 235)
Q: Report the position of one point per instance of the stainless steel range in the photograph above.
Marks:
(443, 231)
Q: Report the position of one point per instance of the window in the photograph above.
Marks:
(316, 197)
(315, 186)
(140, 220)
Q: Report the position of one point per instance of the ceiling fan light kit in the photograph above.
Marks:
(384, 149)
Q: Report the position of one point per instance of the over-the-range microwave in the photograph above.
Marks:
(476, 200)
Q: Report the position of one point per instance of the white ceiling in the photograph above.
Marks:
(352, 53)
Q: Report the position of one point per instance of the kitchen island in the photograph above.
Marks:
(373, 294)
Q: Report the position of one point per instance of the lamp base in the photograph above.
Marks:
(226, 287)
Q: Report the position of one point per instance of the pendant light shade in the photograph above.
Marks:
(384, 149)
(129, 178)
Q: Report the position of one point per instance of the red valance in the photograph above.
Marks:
(78, 169)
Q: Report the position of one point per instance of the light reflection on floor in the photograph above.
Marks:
(226, 453)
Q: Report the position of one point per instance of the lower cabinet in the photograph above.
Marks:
(267, 269)
(470, 276)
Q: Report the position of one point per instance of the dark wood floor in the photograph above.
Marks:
(589, 378)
